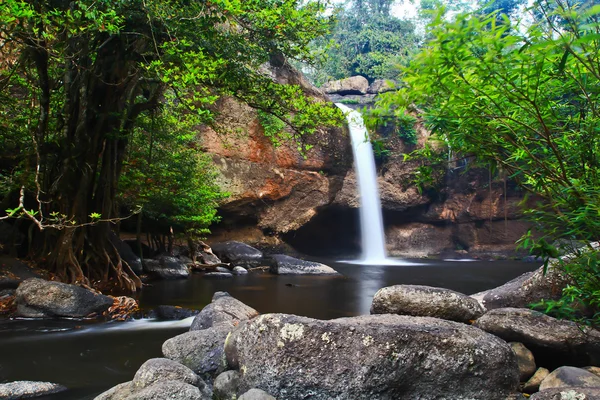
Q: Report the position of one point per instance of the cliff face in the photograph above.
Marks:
(311, 202)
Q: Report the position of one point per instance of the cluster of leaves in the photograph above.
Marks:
(524, 98)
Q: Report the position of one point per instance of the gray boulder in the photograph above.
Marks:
(28, 389)
(120, 392)
(163, 369)
(166, 267)
(237, 270)
(256, 394)
(169, 390)
(238, 253)
(38, 298)
(526, 289)
(570, 377)
(226, 385)
(551, 340)
(173, 313)
(222, 269)
(286, 265)
(201, 351)
(381, 86)
(570, 393)
(533, 384)
(525, 360)
(426, 301)
(352, 85)
(223, 309)
(371, 357)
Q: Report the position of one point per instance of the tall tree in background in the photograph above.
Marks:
(77, 76)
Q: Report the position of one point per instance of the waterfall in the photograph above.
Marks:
(371, 220)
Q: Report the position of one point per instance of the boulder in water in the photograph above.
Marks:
(167, 267)
(286, 265)
(371, 357)
(426, 301)
(238, 253)
(173, 313)
(28, 389)
(38, 298)
(223, 310)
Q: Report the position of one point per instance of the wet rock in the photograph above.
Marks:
(426, 301)
(169, 390)
(381, 86)
(551, 340)
(38, 298)
(226, 385)
(570, 377)
(239, 270)
(223, 309)
(256, 394)
(166, 267)
(533, 384)
(9, 283)
(173, 313)
(525, 360)
(571, 393)
(222, 269)
(286, 265)
(122, 391)
(163, 369)
(201, 351)
(218, 275)
(526, 289)
(28, 389)
(127, 254)
(238, 253)
(374, 356)
(352, 85)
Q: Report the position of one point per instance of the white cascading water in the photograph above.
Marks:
(371, 220)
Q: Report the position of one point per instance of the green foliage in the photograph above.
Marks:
(524, 99)
(405, 127)
(273, 128)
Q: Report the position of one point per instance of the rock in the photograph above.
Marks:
(552, 341)
(226, 385)
(426, 301)
(570, 377)
(28, 389)
(371, 357)
(525, 360)
(126, 253)
(524, 290)
(223, 309)
(201, 351)
(571, 393)
(169, 390)
(238, 253)
(38, 298)
(352, 85)
(222, 269)
(163, 369)
(381, 86)
(593, 370)
(9, 283)
(218, 275)
(286, 265)
(173, 313)
(167, 267)
(239, 270)
(533, 384)
(256, 394)
(120, 392)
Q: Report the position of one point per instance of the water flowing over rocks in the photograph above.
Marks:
(426, 301)
(38, 298)
(548, 338)
(570, 377)
(377, 356)
(238, 253)
(28, 389)
(223, 310)
(352, 85)
(166, 267)
(286, 265)
(173, 313)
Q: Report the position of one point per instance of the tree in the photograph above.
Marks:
(82, 73)
(528, 103)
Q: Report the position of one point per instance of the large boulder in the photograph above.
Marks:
(426, 301)
(223, 310)
(226, 385)
(567, 393)
(238, 253)
(352, 85)
(528, 288)
(286, 265)
(370, 357)
(166, 267)
(38, 298)
(163, 369)
(570, 377)
(202, 351)
(381, 86)
(28, 389)
(256, 394)
(553, 342)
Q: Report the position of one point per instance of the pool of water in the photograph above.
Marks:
(89, 358)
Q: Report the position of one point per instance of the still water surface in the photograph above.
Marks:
(89, 358)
